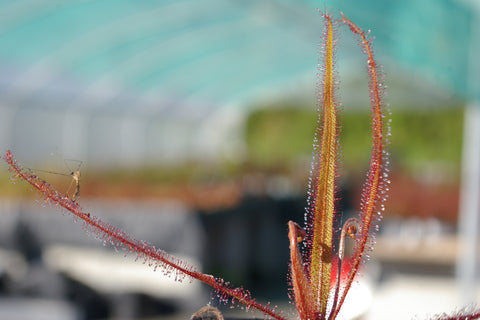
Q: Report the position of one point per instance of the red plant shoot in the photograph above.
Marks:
(319, 276)
(312, 271)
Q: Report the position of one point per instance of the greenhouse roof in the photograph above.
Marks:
(211, 51)
(91, 53)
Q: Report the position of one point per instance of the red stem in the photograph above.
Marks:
(121, 239)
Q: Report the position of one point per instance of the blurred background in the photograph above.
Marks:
(192, 122)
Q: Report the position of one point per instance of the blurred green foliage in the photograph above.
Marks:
(275, 137)
(428, 136)
(278, 136)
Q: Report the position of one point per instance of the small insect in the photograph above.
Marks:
(76, 178)
(75, 174)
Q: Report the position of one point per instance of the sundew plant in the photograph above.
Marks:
(320, 274)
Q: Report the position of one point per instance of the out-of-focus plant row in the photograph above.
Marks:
(426, 150)
(420, 136)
